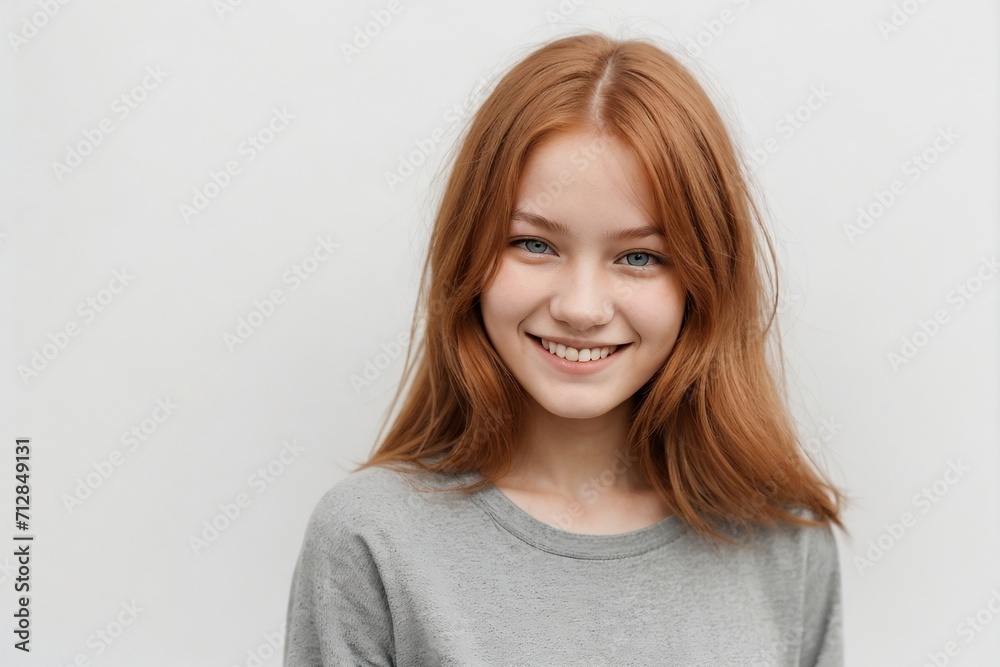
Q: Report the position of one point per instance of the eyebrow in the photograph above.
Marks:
(556, 227)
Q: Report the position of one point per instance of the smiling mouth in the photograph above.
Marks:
(572, 354)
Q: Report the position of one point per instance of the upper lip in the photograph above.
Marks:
(579, 344)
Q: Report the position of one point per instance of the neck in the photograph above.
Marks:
(568, 457)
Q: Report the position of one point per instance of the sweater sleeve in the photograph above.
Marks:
(338, 614)
(822, 634)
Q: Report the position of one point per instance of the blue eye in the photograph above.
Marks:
(537, 247)
(647, 265)
(639, 254)
(531, 241)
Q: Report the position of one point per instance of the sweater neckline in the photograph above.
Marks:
(554, 540)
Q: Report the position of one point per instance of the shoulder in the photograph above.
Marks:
(369, 497)
(817, 541)
(811, 549)
(805, 549)
(361, 486)
(819, 548)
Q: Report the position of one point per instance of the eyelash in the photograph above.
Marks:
(661, 260)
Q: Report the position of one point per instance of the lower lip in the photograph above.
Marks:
(577, 367)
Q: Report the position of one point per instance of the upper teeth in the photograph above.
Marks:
(573, 354)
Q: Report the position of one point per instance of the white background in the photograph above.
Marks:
(847, 302)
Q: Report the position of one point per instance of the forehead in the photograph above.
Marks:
(578, 151)
(585, 178)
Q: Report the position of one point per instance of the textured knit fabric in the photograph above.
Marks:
(390, 574)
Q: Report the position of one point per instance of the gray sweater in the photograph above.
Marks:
(392, 575)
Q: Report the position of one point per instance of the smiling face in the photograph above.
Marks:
(585, 266)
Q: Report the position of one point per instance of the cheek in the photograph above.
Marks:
(656, 314)
(504, 299)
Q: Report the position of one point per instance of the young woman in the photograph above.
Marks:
(593, 464)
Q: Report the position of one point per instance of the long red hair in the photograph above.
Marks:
(710, 429)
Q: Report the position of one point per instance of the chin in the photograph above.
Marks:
(576, 410)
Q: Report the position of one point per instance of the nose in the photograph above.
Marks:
(583, 298)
